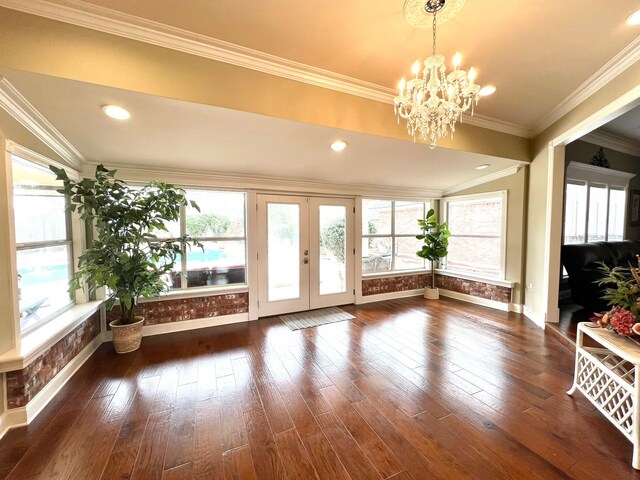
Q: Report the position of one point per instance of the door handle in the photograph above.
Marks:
(306, 260)
(306, 252)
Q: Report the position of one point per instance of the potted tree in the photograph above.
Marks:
(126, 255)
(435, 238)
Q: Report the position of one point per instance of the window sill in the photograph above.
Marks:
(394, 273)
(475, 278)
(446, 273)
(197, 292)
(41, 339)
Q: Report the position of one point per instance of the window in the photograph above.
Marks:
(43, 244)
(389, 230)
(477, 226)
(595, 204)
(220, 227)
(575, 215)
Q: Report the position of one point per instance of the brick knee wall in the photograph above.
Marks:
(376, 286)
(23, 385)
(181, 309)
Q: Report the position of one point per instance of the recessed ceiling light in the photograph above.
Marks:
(487, 90)
(634, 18)
(483, 166)
(116, 112)
(338, 146)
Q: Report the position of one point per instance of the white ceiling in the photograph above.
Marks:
(170, 134)
(537, 53)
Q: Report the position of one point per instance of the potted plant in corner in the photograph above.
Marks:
(435, 238)
(126, 255)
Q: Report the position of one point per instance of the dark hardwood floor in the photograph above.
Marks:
(409, 389)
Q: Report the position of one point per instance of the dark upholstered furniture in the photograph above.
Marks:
(582, 261)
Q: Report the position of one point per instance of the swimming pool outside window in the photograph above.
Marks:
(43, 244)
(221, 228)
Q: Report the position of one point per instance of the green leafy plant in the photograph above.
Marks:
(208, 223)
(620, 287)
(435, 238)
(126, 255)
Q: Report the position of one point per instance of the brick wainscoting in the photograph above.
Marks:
(376, 286)
(23, 385)
(178, 310)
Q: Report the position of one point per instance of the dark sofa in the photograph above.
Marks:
(581, 262)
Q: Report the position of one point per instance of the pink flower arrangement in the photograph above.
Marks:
(622, 291)
(623, 321)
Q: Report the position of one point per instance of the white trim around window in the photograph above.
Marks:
(502, 234)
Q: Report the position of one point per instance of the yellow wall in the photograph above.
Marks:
(38, 45)
(516, 186)
(590, 112)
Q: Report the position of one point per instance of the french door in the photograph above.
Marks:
(305, 253)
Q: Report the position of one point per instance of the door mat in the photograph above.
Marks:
(313, 318)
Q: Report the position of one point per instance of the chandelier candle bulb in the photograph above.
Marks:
(416, 68)
(457, 60)
(472, 75)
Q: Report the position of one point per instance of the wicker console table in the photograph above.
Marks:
(610, 378)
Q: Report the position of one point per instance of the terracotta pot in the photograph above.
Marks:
(127, 338)
(431, 293)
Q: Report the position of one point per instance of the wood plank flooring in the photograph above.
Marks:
(410, 389)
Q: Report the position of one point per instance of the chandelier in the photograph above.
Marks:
(432, 103)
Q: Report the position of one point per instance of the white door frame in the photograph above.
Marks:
(348, 296)
(265, 306)
(309, 250)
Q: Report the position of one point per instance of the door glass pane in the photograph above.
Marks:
(333, 249)
(616, 214)
(597, 213)
(283, 231)
(575, 213)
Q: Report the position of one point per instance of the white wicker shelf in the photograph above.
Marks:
(610, 378)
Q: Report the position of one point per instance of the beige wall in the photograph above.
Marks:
(7, 308)
(38, 45)
(590, 114)
(583, 152)
(516, 186)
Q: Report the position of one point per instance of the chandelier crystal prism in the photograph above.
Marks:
(432, 103)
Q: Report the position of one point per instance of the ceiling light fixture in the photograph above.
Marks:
(487, 90)
(634, 18)
(483, 166)
(338, 145)
(116, 112)
(432, 103)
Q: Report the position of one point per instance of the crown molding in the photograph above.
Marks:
(261, 183)
(482, 180)
(597, 174)
(602, 138)
(109, 21)
(20, 109)
(614, 67)
(490, 123)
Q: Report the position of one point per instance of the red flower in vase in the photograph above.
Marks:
(622, 321)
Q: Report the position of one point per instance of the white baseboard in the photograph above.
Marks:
(475, 300)
(18, 417)
(533, 317)
(391, 296)
(505, 307)
(171, 327)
